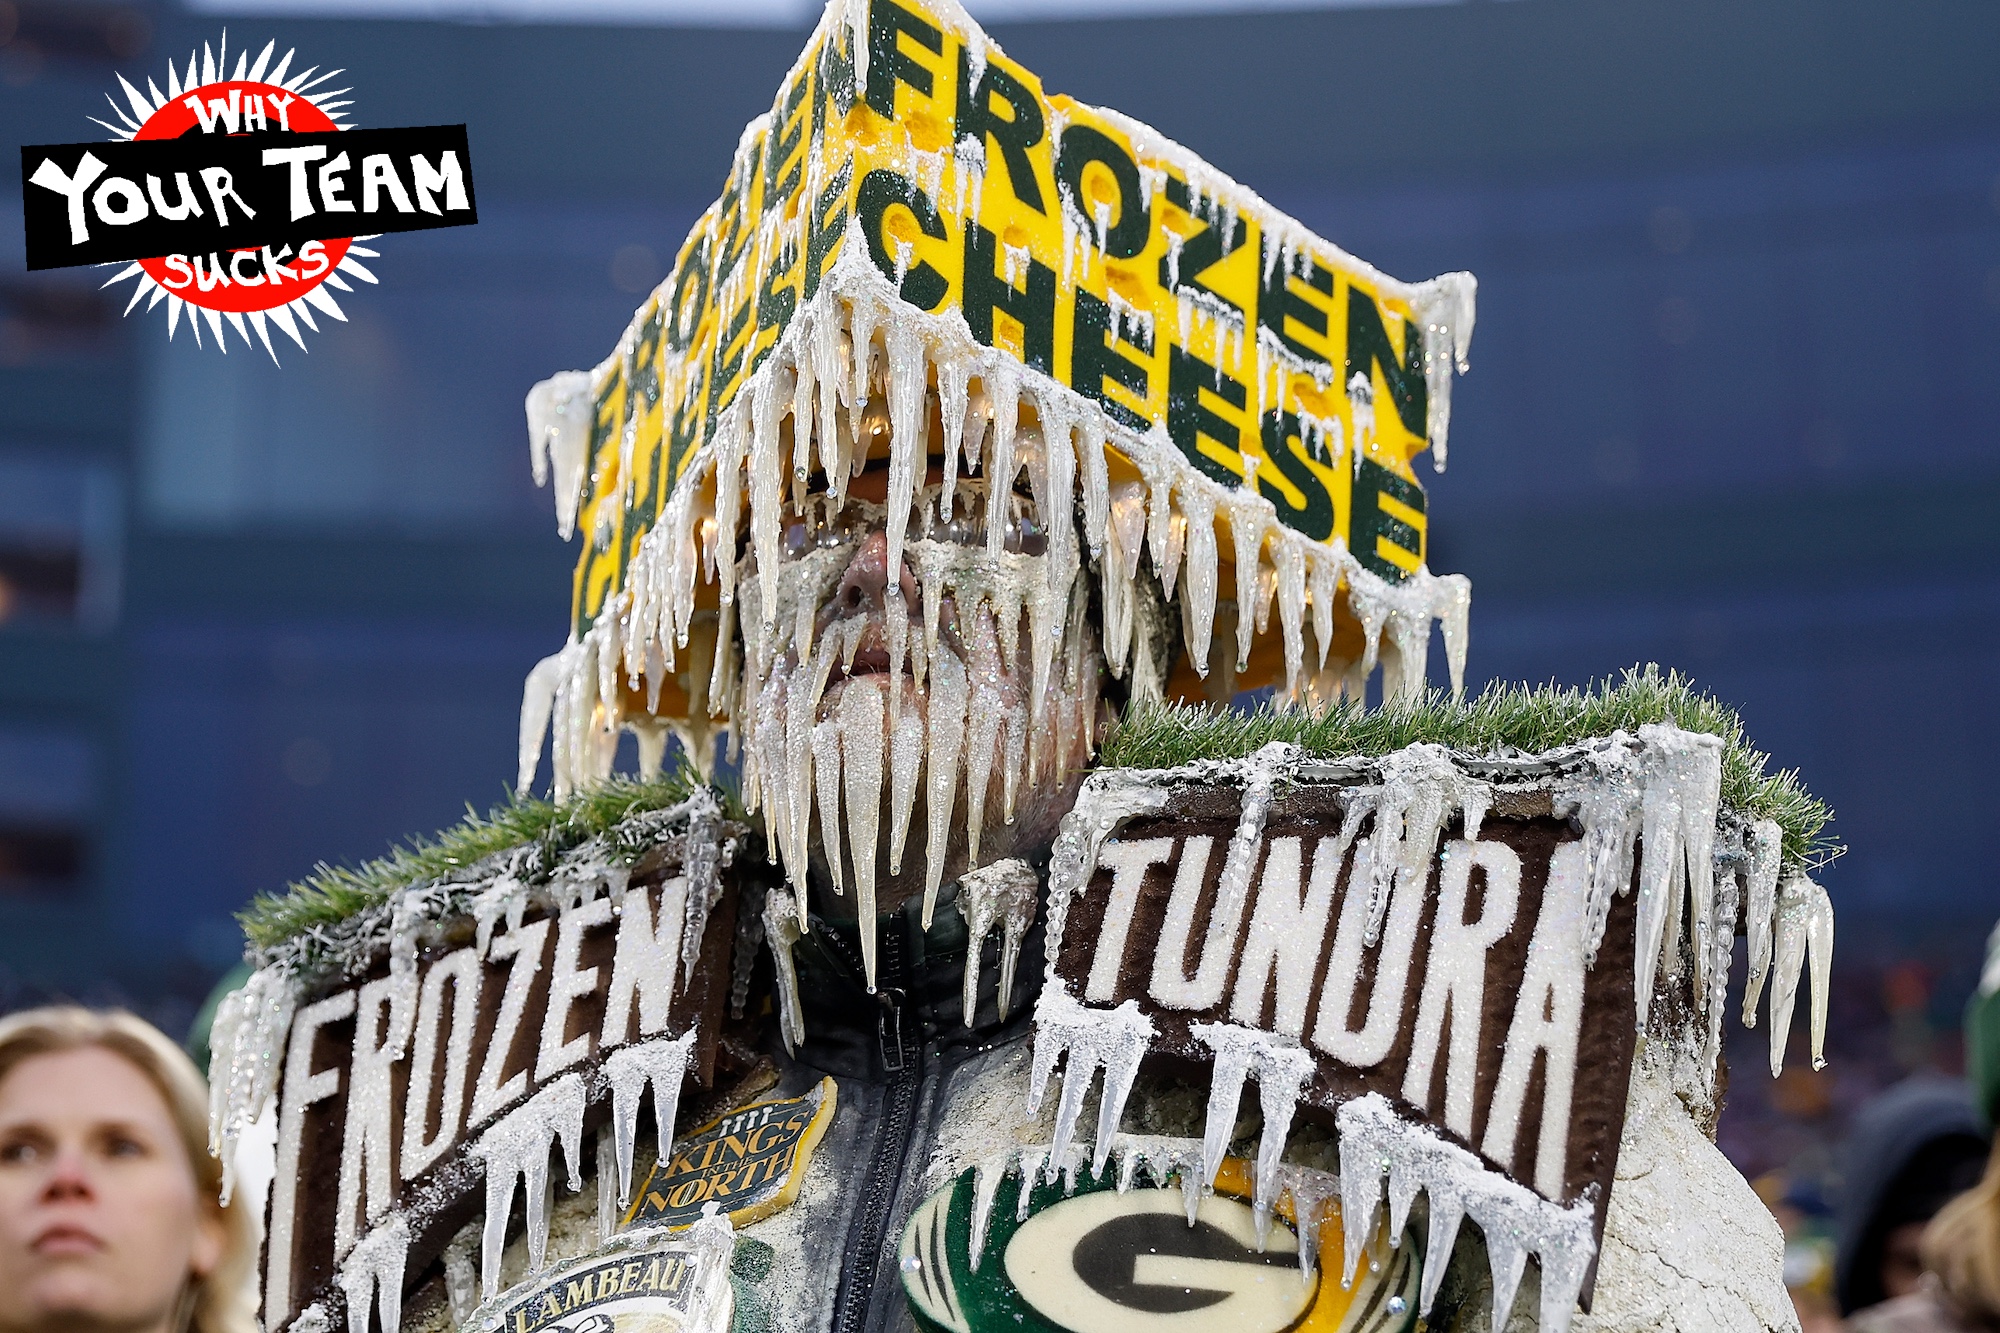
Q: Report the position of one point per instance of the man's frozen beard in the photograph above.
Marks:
(963, 684)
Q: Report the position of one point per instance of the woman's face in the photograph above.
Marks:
(101, 1219)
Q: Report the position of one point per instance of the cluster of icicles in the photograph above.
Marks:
(859, 374)
(1697, 864)
(253, 1027)
(1378, 1147)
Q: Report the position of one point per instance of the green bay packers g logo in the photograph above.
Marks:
(1099, 1261)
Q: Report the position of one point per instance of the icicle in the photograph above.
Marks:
(713, 1241)
(982, 735)
(954, 373)
(559, 419)
(1116, 1039)
(1032, 1160)
(517, 1147)
(1453, 609)
(538, 698)
(1376, 1143)
(1421, 790)
(805, 382)
(783, 916)
(802, 695)
(371, 1277)
(1607, 803)
(827, 337)
(1011, 755)
(702, 863)
(1204, 988)
(1096, 482)
(946, 718)
(1115, 595)
(1158, 482)
(986, 1178)
(1288, 560)
(1059, 500)
(628, 1070)
(1002, 893)
(1248, 515)
(1281, 1068)
(861, 775)
(1676, 839)
(1444, 312)
(246, 1044)
(906, 759)
(896, 641)
(826, 784)
(1108, 798)
(908, 369)
(1717, 946)
(1766, 848)
(1804, 932)
(1003, 388)
(1199, 509)
(729, 494)
(862, 319)
(1324, 566)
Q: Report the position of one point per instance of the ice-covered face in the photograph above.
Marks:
(916, 716)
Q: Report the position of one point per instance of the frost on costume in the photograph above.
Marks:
(980, 449)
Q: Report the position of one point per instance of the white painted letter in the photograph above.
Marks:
(303, 1087)
(460, 968)
(524, 946)
(331, 186)
(566, 984)
(190, 204)
(50, 177)
(378, 173)
(118, 188)
(648, 953)
(296, 159)
(448, 177)
(1548, 1017)
(1371, 1044)
(1128, 863)
(380, 1014)
(1171, 985)
(221, 186)
(1286, 932)
(1455, 975)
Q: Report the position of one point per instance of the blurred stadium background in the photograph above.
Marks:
(1732, 409)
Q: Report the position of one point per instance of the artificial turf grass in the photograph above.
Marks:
(331, 894)
(1501, 719)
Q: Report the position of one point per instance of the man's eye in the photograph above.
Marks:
(120, 1145)
(18, 1154)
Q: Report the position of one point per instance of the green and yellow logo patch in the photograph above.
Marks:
(1094, 1259)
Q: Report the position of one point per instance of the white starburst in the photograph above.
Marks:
(211, 67)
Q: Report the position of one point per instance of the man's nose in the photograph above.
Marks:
(866, 578)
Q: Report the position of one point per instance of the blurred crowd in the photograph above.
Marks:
(1878, 1167)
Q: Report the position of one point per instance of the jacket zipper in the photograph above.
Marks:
(901, 1059)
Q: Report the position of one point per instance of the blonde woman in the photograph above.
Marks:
(110, 1212)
